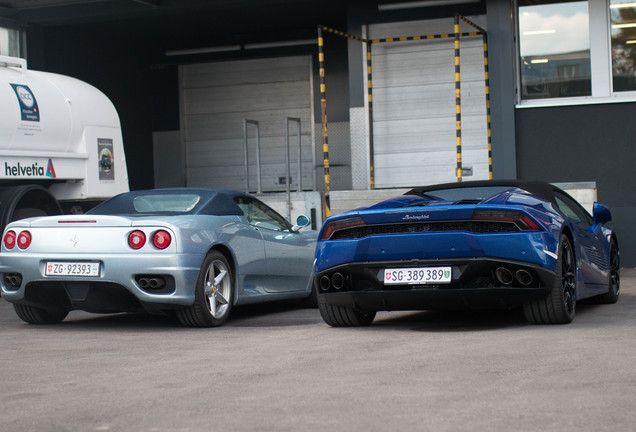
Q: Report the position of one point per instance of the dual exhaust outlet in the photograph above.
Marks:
(336, 281)
(151, 282)
(13, 280)
(506, 277)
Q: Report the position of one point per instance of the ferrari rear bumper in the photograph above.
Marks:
(123, 282)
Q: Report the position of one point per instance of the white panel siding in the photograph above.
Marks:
(253, 71)
(217, 97)
(261, 97)
(414, 104)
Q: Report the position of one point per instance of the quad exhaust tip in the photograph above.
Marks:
(506, 277)
(524, 277)
(336, 281)
(325, 283)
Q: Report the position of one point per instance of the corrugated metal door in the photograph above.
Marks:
(217, 97)
(414, 104)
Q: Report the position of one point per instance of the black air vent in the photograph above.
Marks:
(477, 227)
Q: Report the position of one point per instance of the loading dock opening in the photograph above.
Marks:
(369, 42)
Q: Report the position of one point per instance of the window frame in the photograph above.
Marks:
(611, 60)
(12, 26)
(275, 219)
(600, 63)
(564, 200)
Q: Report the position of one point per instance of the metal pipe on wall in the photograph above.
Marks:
(259, 188)
(287, 163)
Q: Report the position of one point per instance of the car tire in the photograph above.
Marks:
(559, 307)
(213, 294)
(311, 302)
(35, 315)
(342, 316)
(614, 283)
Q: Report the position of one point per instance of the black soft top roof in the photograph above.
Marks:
(538, 188)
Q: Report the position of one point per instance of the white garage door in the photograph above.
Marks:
(217, 97)
(414, 105)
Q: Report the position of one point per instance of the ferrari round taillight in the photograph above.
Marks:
(9, 239)
(24, 239)
(161, 239)
(136, 239)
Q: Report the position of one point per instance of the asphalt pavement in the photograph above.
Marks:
(278, 367)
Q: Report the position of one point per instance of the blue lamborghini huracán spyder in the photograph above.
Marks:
(488, 244)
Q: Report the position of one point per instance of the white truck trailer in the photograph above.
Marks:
(61, 147)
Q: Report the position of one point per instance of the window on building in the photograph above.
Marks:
(9, 42)
(623, 33)
(554, 48)
(576, 52)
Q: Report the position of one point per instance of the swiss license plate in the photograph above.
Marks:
(70, 268)
(417, 275)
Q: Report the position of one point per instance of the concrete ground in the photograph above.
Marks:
(278, 367)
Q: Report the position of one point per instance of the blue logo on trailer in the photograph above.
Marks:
(28, 105)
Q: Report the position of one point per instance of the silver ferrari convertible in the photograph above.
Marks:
(193, 251)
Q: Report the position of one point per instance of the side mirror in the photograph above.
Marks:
(301, 222)
(601, 213)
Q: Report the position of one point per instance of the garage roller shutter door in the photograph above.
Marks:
(414, 105)
(216, 97)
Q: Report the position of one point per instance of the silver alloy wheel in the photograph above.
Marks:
(217, 289)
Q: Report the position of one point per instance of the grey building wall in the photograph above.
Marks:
(501, 61)
(585, 143)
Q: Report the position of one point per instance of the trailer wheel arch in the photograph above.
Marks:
(18, 202)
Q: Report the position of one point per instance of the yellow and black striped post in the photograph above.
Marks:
(458, 102)
(341, 33)
(469, 22)
(487, 83)
(323, 109)
(370, 102)
(369, 93)
(422, 37)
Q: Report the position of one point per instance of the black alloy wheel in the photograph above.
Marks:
(614, 283)
(558, 307)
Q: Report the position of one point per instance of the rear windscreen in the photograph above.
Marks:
(165, 203)
(466, 193)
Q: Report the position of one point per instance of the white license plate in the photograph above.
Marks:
(417, 275)
(71, 268)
